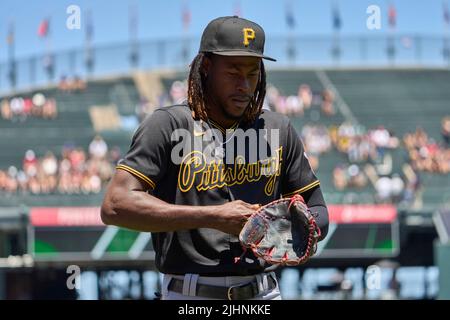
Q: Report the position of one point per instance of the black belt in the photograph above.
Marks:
(239, 292)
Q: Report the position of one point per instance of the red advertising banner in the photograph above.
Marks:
(90, 216)
(66, 216)
(366, 213)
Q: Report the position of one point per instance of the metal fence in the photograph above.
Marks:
(291, 51)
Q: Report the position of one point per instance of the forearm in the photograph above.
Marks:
(316, 204)
(141, 211)
(320, 214)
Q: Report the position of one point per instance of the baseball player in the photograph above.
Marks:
(193, 174)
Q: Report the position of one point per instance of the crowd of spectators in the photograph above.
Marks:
(346, 176)
(354, 141)
(69, 85)
(18, 109)
(316, 139)
(296, 105)
(361, 145)
(365, 160)
(425, 153)
(74, 172)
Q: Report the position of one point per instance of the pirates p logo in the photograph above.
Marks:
(249, 34)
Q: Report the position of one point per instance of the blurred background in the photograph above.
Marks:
(366, 84)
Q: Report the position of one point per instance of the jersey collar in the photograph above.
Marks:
(222, 129)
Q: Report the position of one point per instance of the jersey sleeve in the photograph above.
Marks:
(298, 175)
(149, 153)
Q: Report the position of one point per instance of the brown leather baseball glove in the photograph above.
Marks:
(282, 232)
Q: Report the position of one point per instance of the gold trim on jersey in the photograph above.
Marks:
(301, 190)
(222, 129)
(137, 174)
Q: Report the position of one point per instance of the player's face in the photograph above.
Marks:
(231, 83)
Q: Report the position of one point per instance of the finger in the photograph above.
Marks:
(247, 214)
(247, 205)
(252, 206)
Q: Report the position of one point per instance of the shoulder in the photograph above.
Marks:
(176, 110)
(179, 114)
(272, 120)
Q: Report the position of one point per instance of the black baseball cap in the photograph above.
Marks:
(234, 36)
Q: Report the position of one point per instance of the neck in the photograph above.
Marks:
(224, 122)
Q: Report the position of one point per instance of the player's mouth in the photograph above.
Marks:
(240, 101)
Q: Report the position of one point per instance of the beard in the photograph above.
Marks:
(221, 109)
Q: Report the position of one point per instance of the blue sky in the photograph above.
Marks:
(162, 19)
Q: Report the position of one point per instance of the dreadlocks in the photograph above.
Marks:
(197, 98)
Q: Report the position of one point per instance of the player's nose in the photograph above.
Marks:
(243, 85)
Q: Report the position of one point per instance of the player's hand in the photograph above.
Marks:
(233, 215)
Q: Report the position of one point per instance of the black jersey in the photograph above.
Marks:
(188, 162)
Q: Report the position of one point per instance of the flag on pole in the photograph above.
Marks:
(392, 16)
(43, 28)
(89, 27)
(446, 14)
(290, 18)
(133, 20)
(10, 36)
(186, 17)
(11, 59)
(89, 57)
(337, 23)
(133, 31)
